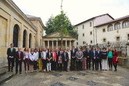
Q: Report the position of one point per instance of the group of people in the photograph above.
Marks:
(76, 59)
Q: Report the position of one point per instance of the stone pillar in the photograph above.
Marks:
(52, 44)
(66, 44)
(48, 44)
(27, 40)
(57, 44)
(20, 39)
(70, 44)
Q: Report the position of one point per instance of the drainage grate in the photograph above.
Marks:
(58, 84)
(57, 74)
(91, 83)
(72, 78)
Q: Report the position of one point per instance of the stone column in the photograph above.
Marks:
(27, 40)
(20, 38)
(66, 44)
(70, 44)
(52, 44)
(57, 44)
(48, 44)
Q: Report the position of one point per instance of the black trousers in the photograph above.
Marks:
(54, 65)
(88, 63)
(110, 63)
(73, 64)
(60, 66)
(44, 64)
(115, 66)
(26, 64)
(100, 63)
(10, 64)
(79, 65)
(18, 66)
(65, 65)
(35, 65)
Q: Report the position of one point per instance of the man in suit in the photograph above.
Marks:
(10, 56)
(19, 59)
(65, 60)
(73, 58)
(88, 60)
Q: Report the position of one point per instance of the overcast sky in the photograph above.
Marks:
(76, 10)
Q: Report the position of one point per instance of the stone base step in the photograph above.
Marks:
(4, 75)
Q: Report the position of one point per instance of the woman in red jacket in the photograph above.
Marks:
(115, 59)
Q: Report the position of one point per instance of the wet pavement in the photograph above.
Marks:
(72, 78)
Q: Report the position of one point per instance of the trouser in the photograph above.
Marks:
(110, 63)
(100, 64)
(40, 64)
(93, 63)
(44, 64)
(48, 66)
(79, 65)
(18, 66)
(60, 66)
(84, 64)
(54, 65)
(26, 65)
(88, 63)
(115, 66)
(35, 65)
(10, 64)
(73, 64)
(65, 64)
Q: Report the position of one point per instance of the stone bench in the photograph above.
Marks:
(123, 61)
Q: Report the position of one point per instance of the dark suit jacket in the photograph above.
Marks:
(19, 58)
(11, 53)
(65, 57)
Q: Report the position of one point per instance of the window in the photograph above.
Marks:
(118, 38)
(90, 24)
(128, 37)
(83, 34)
(104, 30)
(91, 41)
(117, 26)
(90, 32)
(84, 42)
(125, 24)
(110, 27)
(82, 26)
(104, 39)
(77, 43)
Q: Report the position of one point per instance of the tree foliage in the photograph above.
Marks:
(61, 24)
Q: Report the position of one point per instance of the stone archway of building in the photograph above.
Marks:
(24, 38)
(15, 35)
(30, 40)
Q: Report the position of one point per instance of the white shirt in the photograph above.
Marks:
(36, 56)
(26, 55)
(31, 56)
(43, 54)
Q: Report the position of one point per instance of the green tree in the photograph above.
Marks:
(61, 24)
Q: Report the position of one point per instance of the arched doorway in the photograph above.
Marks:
(24, 38)
(15, 35)
(30, 38)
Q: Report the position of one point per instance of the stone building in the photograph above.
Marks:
(17, 28)
(86, 29)
(54, 41)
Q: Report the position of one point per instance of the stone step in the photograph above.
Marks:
(6, 77)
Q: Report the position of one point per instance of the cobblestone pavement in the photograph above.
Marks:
(72, 78)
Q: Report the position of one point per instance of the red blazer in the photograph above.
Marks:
(115, 57)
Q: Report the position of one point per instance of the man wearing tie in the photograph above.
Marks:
(65, 60)
(19, 59)
(10, 56)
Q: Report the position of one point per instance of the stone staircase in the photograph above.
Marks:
(4, 75)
